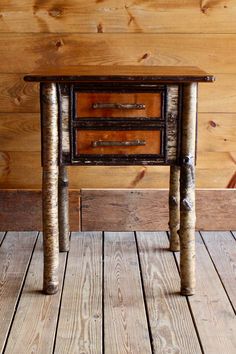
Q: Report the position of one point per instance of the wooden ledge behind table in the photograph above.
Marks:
(117, 209)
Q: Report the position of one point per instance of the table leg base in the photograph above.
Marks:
(64, 249)
(50, 288)
(187, 291)
(174, 242)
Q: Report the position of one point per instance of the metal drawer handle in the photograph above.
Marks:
(99, 143)
(118, 106)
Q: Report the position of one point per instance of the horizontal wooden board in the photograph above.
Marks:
(23, 170)
(219, 96)
(124, 210)
(209, 52)
(113, 16)
(21, 132)
(21, 210)
(19, 96)
(217, 132)
(137, 210)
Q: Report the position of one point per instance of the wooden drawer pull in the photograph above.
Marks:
(118, 106)
(99, 143)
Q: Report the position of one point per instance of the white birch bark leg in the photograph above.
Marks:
(187, 191)
(174, 212)
(49, 111)
(63, 210)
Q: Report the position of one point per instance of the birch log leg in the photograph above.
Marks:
(49, 116)
(174, 212)
(63, 206)
(187, 191)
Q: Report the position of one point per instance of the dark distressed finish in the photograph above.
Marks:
(168, 124)
(114, 73)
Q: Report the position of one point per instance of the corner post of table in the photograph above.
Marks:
(187, 190)
(49, 119)
(63, 210)
(174, 212)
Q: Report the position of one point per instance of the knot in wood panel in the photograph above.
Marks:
(55, 12)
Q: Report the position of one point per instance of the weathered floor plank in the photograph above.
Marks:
(222, 248)
(34, 326)
(213, 314)
(2, 234)
(80, 327)
(126, 329)
(80, 322)
(15, 254)
(170, 319)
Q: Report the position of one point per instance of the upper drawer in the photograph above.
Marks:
(118, 105)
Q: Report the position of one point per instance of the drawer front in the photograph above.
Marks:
(118, 105)
(120, 142)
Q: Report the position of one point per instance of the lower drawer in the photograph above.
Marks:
(122, 142)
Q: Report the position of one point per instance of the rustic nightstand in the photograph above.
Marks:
(110, 115)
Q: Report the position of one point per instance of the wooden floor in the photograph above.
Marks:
(119, 293)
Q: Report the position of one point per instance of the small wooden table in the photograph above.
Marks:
(111, 115)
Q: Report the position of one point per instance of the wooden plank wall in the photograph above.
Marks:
(36, 33)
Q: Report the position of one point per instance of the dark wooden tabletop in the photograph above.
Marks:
(119, 73)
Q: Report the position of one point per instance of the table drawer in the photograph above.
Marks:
(120, 142)
(118, 105)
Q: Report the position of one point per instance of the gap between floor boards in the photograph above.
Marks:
(119, 293)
